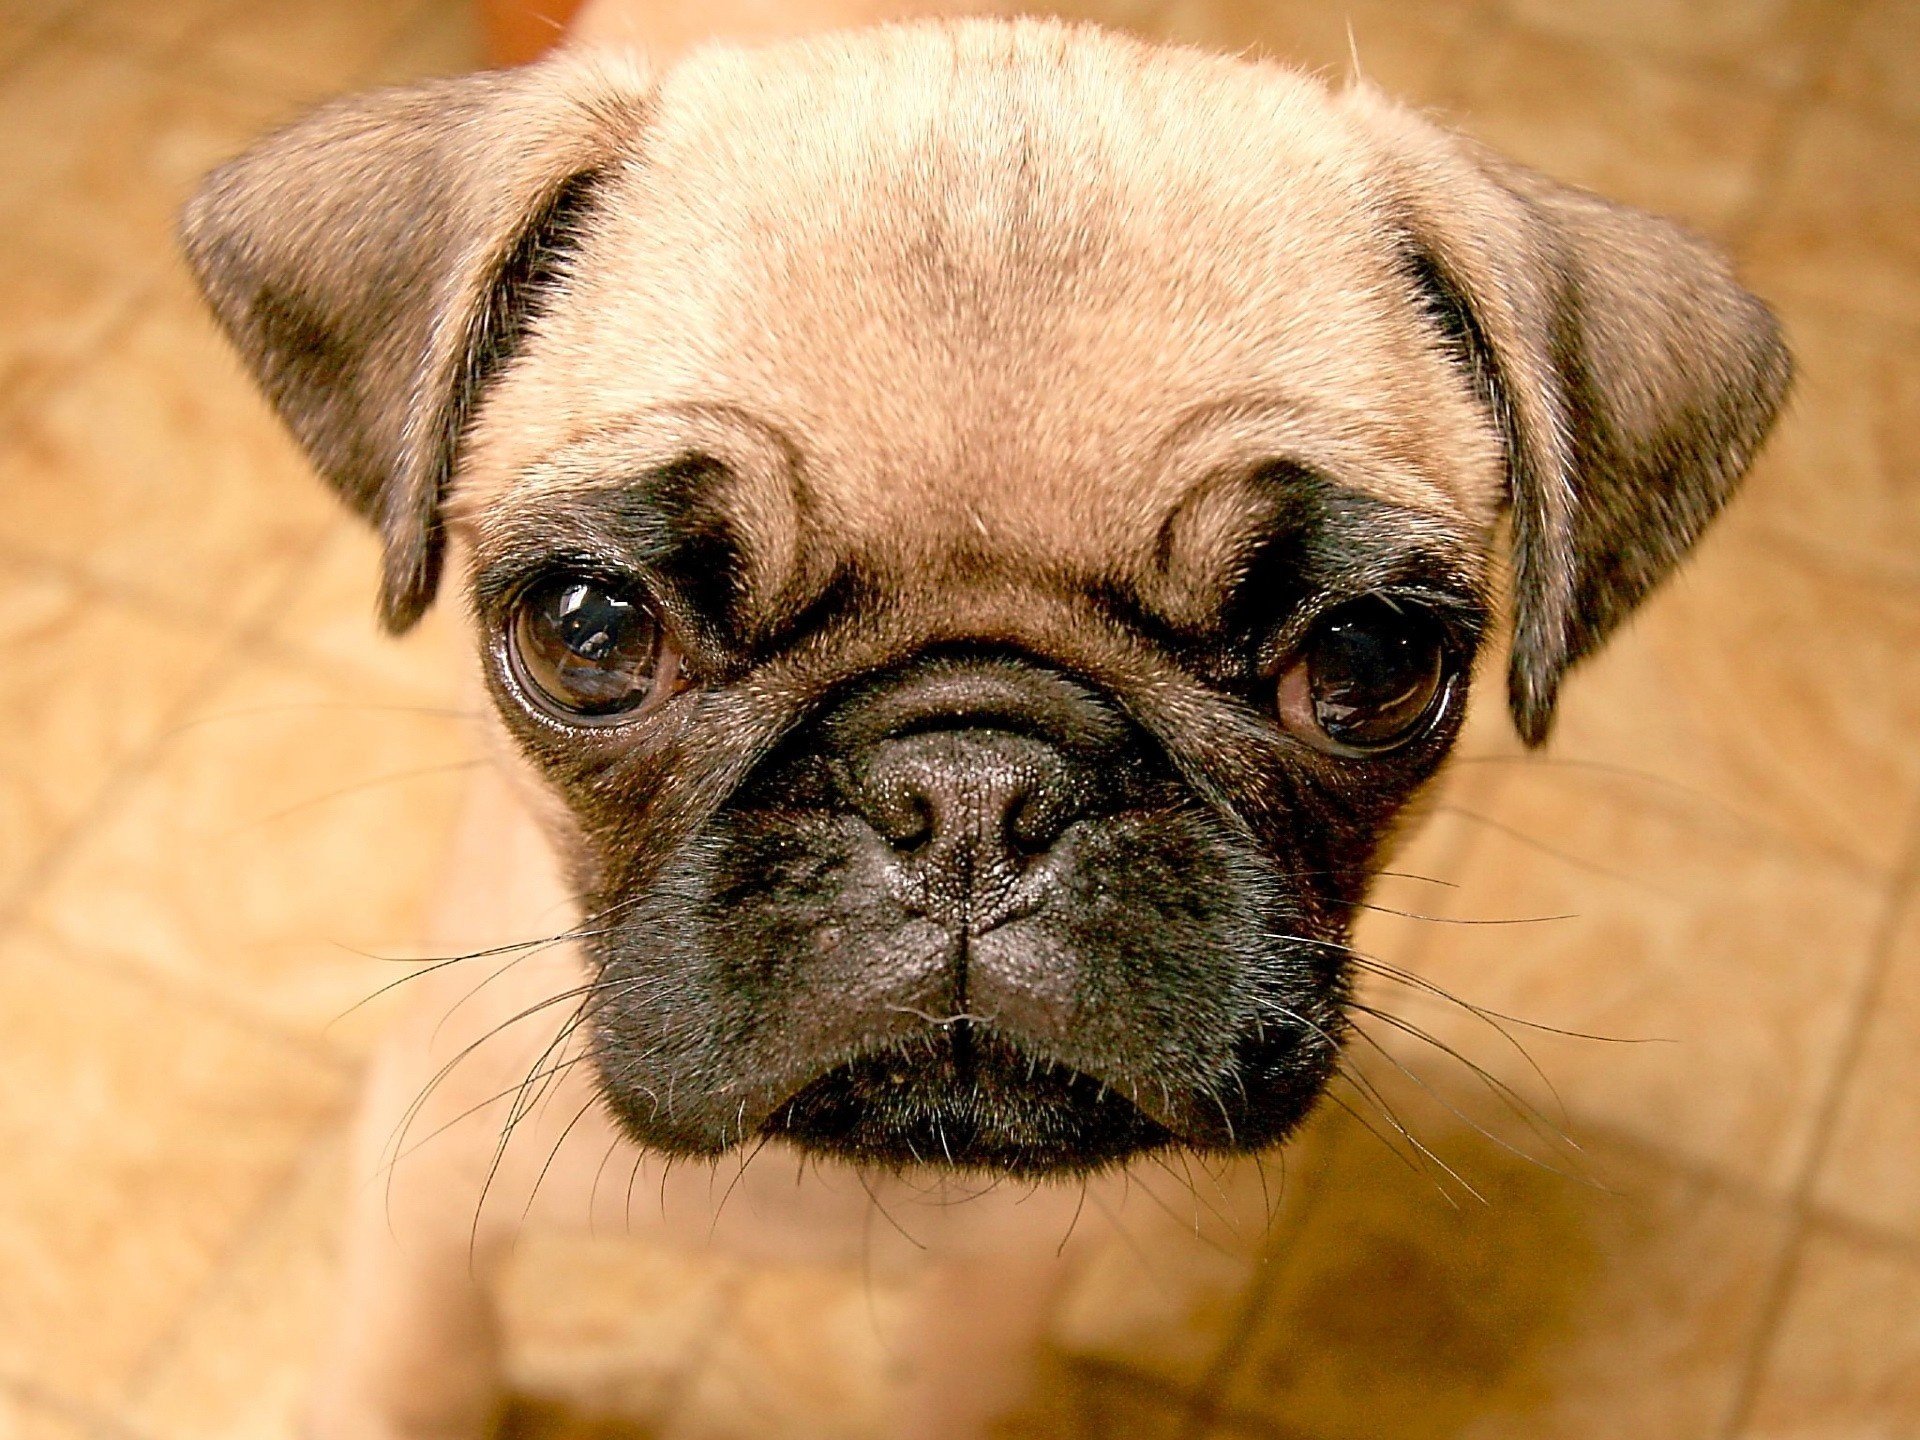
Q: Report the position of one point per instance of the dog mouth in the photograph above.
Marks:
(973, 919)
(966, 1098)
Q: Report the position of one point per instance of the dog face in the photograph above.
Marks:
(982, 530)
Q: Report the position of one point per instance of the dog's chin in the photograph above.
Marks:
(968, 1100)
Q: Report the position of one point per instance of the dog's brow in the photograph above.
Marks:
(1274, 545)
(660, 524)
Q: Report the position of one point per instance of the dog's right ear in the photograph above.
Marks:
(1631, 375)
(376, 262)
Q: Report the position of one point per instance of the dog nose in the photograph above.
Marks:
(973, 801)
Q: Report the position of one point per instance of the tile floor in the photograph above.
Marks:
(228, 794)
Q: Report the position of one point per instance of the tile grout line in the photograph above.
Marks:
(228, 658)
(141, 298)
(1206, 1399)
(280, 1197)
(202, 998)
(251, 637)
(1796, 104)
(1902, 900)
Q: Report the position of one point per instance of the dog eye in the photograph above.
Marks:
(589, 649)
(1369, 678)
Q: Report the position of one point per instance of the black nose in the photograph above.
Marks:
(976, 802)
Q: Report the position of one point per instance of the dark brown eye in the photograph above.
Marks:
(1369, 678)
(589, 649)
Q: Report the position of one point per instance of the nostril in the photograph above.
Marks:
(972, 793)
(902, 815)
(1036, 819)
(916, 825)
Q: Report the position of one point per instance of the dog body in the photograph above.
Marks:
(978, 535)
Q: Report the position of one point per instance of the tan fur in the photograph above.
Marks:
(993, 216)
(984, 307)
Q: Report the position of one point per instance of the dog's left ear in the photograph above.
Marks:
(1632, 376)
(376, 262)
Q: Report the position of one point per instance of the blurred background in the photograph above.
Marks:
(223, 797)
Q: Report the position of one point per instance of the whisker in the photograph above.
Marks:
(1370, 1091)
(1565, 857)
(398, 1140)
(1414, 1167)
(432, 965)
(359, 787)
(1073, 1222)
(1474, 1125)
(1419, 982)
(860, 1174)
(739, 1175)
(1525, 1054)
(478, 1106)
(1457, 920)
(522, 1107)
(301, 707)
(554, 1154)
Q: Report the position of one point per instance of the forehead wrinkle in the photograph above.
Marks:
(1314, 534)
(737, 469)
(760, 254)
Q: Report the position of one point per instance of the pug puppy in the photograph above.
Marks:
(976, 534)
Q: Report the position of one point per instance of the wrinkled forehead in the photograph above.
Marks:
(984, 284)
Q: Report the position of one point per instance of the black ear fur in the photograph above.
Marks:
(376, 263)
(1632, 376)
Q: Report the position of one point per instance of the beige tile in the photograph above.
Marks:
(26, 23)
(240, 1365)
(1872, 68)
(87, 682)
(442, 39)
(1169, 1279)
(1773, 687)
(1841, 226)
(1768, 40)
(598, 1333)
(1405, 49)
(611, 1328)
(1554, 1308)
(60, 307)
(1845, 1363)
(1718, 971)
(159, 469)
(306, 49)
(824, 1379)
(1842, 472)
(1176, 1259)
(539, 1420)
(1113, 1405)
(1871, 1171)
(1629, 126)
(142, 1135)
(146, 30)
(291, 831)
(330, 618)
(101, 149)
(23, 1418)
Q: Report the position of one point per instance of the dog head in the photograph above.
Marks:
(982, 529)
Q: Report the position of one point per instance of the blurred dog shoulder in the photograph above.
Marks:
(977, 535)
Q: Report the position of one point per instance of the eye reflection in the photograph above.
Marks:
(1369, 679)
(589, 649)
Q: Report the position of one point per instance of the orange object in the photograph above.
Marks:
(517, 31)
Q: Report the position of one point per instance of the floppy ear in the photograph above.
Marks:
(376, 262)
(1631, 374)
